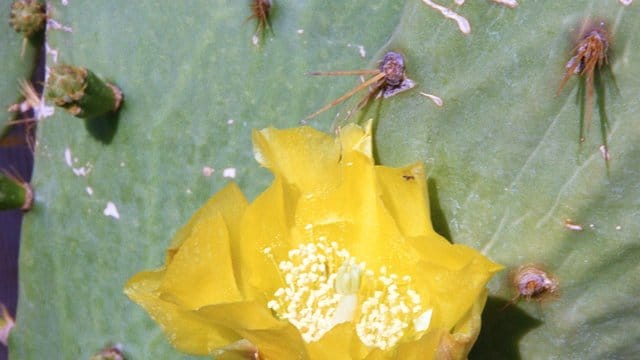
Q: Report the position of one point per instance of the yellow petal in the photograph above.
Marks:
(201, 272)
(304, 157)
(186, 330)
(266, 228)
(423, 348)
(445, 274)
(356, 140)
(229, 202)
(457, 344)
(404, 194)
(340, 343)
(274, 338)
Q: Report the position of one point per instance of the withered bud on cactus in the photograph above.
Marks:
(6, 324)
(109, 353)
(27, 17)
(531, 282)
(14, 193)
(81, 92)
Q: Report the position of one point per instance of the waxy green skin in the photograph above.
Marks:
(505, 164)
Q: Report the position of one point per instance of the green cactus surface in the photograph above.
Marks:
(505, 164)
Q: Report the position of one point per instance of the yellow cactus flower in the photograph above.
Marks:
(337, 259)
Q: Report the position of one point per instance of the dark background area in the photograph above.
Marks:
(16, 159)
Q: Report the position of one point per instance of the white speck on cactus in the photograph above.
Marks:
(111, 210)
(207, 171)
(229, 173)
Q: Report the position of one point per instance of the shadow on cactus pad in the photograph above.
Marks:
(103, 128)
(503, 325)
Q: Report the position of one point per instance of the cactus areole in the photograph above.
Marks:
(27, 17)
(395, 81)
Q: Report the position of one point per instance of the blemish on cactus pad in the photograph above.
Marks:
(570, 225)
(110, 353)
(463, 23)
(508, 3)
(533, 283)
(436, 99)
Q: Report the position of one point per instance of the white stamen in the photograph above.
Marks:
(421, 323)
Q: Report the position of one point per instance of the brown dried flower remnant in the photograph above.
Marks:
(533, 283)
(388, 80)
(6, 324)
(260, 11)
(590, 56)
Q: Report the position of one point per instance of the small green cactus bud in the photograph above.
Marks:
(14, 193)
(81, 92)
(27, 17)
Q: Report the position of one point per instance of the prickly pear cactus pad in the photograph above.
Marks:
(506, 169)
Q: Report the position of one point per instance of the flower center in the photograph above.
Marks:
(324, 286)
